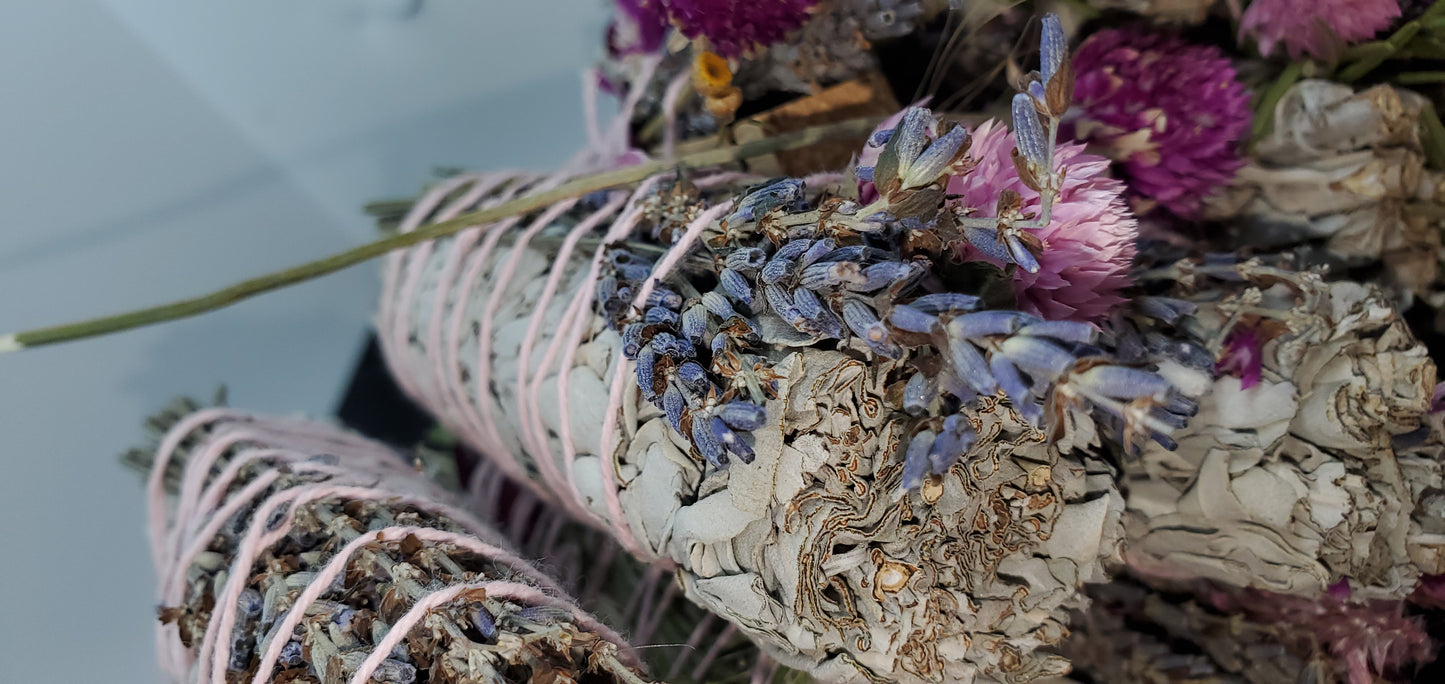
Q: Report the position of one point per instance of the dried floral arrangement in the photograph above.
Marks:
(889, 417)
(908, 341)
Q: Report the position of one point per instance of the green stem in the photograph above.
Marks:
(313, 269)
(1432, 136)
(1264, 112)
(1420, 77)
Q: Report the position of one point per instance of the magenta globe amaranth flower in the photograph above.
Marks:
(1318, 28)
(1088, 245)
(733, 27)
(1170, 112)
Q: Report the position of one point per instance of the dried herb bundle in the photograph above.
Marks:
(793, 400)
(297, 552)
(1346, 169)
(1310, 460)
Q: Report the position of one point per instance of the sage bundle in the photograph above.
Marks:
(1344, 169)
(1310, 461)
(292, 551)
(788, 394)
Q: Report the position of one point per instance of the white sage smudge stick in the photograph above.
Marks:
(824, 545)
(807, 549)
(298, 552)
(1345, 168)
(1309, 459)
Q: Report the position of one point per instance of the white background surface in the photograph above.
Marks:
(151, 149)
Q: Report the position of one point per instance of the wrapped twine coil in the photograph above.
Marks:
(295, 552)
(807, 550)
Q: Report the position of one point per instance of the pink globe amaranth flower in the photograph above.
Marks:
(638, 28)
(733, 27)
(1318, 28)
(1088, 246)
(1169, 111)
(1243, 357)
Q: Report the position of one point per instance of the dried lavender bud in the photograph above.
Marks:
(250, 604)
(909, 139)
(905, 317)
(742, 415)
(970, 366)
(671, 346)
(817, 251)
(1019, 254)
(1029, 132)
(1118, 382)
(1036, 356)
(706, 441)
(483, 620)
(864, 323)
(659, 316)
(606, 290)
(915, 460)
(949, 303)
(731, 441)
(1009, 379)
(976, 326)
(718, 306)
(735, 286)
(830, 274)
(888, 273)
(673, 404)
(937, 159)
(746, 259)
(291, 655)
(793, 249)
(1053, 47)
(694, 378)
(694, 324)
(918, 393)
(663, 297)
(781, 302)
(955, 439)
(783, 192)
(646, 363)
(632, 340)
(394, 672)
(1166, 309)
(775, 270)
(1064, 331)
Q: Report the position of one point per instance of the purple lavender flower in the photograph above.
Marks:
(1171, 112)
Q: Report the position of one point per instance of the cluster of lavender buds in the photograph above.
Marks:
(792, 271)
(916, 161)
(626, 271)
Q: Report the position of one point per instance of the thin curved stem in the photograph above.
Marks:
(276, 280)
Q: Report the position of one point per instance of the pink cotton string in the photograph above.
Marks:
(716, 650)
(155, 484)
(670, 98)
(401, 272)
(417, 266)
(496, 590)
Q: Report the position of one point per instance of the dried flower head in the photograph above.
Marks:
(1088, 246)
(733, 27)
(1368, 638)
(1317, 28)
(1171, 112)
(639, 27)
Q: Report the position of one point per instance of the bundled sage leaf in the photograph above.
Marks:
(297, 552)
